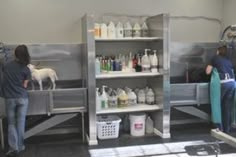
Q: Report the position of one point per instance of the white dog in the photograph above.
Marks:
(41, 74)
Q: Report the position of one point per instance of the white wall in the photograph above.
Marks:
(229, 12)
(58, 21)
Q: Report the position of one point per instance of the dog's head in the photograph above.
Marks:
(31, 67)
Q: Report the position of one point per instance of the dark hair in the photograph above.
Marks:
(22, 54)
(222, 51)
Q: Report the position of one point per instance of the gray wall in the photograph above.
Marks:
(58, 21)
(229, 12)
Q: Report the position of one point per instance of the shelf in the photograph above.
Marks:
(133, 108)
(110, 75)
(131, 39)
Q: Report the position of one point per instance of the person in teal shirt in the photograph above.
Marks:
(225, 69)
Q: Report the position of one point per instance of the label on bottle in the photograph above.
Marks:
(150, 99)
(128, 33)
(103, 104)
(132, 101)
(136, 33)
(112, 103)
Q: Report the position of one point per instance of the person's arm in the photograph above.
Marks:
(25, 83)
(27, 74)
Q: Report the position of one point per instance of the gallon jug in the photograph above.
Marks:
(112, 100)
(132, 98)
(141, 97)
(97, 30)
(150, 98)
(136, 30)
(144, 30)
(119, 30)
(127, 30)
(123, 99)
(149, 125)
(111, 30)
(104, 31)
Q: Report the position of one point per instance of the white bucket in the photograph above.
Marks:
(137, 124)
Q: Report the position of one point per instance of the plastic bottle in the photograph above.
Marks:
(154, 62)
(146, 62)
(130, 62)
(98, 101)
(97, 30)
(123, 99)
(111, 30)
(136, 30)
(127, 30)
(104, 99)
(119, 30)
(103, 31)
(150, 98)
(112, 100)
(132, 98)
(144, 30)
(98, 66)
(141, 97)
(149, 125)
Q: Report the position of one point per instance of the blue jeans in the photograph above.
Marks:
(16, 110)
(227, 100)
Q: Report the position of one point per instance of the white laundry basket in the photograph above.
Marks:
(137, 124)
(108, 126)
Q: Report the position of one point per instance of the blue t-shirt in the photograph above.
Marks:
(223, 66)
(14, 76)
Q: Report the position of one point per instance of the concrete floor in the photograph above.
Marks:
(189, 140)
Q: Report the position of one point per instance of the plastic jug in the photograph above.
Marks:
(132, 98)
(112, 100)
(150, 98)
(97, 30)
(136, 30)
(141, 97)
(127, 30)
(123, 99)
(111, 30)
(144, 30)
(103, 31)
(119, 30)
(146, 62)
(149, 125)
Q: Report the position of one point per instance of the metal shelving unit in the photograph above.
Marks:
(133, 108)
(159, 82)
(111, 75)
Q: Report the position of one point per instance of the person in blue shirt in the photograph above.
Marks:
(15, 80)
(225, 69)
